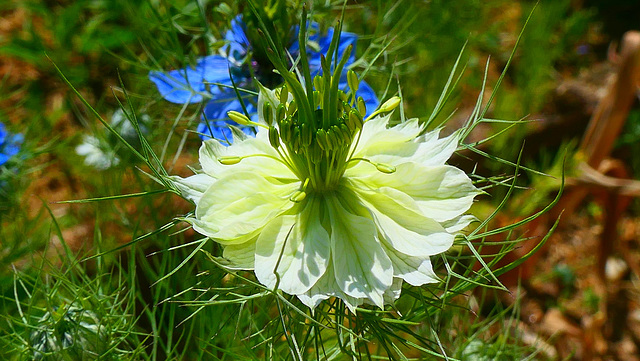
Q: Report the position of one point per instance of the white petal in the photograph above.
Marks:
(459, 223)
(416, 271)
(209, 152)
(402, 223)
(393, 293)
(239, 205)
(441, 192)
(298, 244)
(327, 287)
(193, 187)
(434, 151)
(362, 268)
(241, 256)
(402, 143)
(375, 132)
(388, 145)
(257, 153)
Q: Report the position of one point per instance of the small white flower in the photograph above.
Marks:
(348, 209)
(95, 154)
(100, 153)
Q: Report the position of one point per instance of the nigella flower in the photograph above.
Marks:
(9, 144)
(101, 153)
(68, 331)
(195, 85)
(323, 202)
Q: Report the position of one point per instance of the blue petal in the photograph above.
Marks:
(9, 144)
(215, 122)
(187, 85)
(3, 134)
(237, 38)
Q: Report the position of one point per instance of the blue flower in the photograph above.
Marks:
(9, 144)
(201, 83)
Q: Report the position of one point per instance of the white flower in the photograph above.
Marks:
(348, 209)
(101, 153)
(95, 153)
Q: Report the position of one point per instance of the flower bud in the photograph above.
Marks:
(292, 108)
(229, 160)
(390, 104)
(352, 80)
(316, 153)
(346, 133)
(284, 94)
(274, 137)
(333, 138)
(281, 112)
(239, 118)
(342, 95)
(285, 131)
(296, 141)
(71, 331)
(305, 133)
(298, 196)
(266, 112)
(355, 120)
(317, 83)
(385, 168)
(321, 139)
(362, 107)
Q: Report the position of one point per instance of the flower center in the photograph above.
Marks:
(319, 148)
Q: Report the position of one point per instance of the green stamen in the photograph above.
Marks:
(316, 130)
